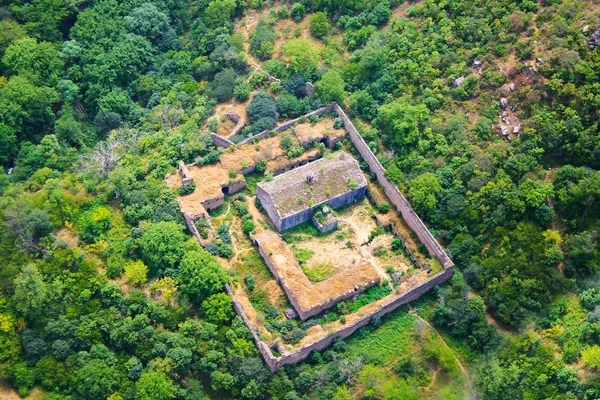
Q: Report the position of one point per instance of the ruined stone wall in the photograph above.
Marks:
(258, 136)
(294, 164)
(287, 125)
(392, 192)
(235, 187)
(302, 313)
(186, 178)
(211, 204)
(331, 224)
(220, 141)
(301, 353)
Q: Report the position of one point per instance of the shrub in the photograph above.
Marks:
(242, 91)
(337, 123)
(249, 279)
(297, 11)
(396, 244)
(352, 183)
(212, 248)
(375, 232)
(286, 142)
(187, 189)
(225, 250)
(295, 151)
(384, 207)
(248, 226)
(319, 25)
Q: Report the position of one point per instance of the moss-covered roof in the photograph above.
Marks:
(333, 176)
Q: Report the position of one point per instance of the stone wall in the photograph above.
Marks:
(301, 353)
(302, 313)
(287, 125)
(294, 164)
(411, 219)
(186, 178)
(211, 204)
(330, 225)
(258, 136)
(392, 192)
(220, 141)
(235, 187)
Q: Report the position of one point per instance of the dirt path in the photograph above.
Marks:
(433, 379)
(366, 250)
(464, 371)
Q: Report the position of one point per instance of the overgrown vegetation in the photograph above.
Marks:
(103, 294)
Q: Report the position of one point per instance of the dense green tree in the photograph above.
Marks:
(319, 25)
(38, 62)
(200, 275)
(155, 385)
(218, 308)
(222, 87)
(301, 56)
(330, 88)
(27, 109)
(263, 41)
(423, 191)
(162, 245)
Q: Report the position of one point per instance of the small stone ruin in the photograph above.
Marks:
(186, 178)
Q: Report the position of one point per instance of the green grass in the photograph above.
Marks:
(388, 343)
(303, 255)
(319, 273)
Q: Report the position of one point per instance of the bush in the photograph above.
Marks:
(248, 226)
(396, 244)
(249, 279)
(187, 189)
(298, 11)
(319, 25)
(384, 207)
(223, 85)
(225, 250)
(295, 151)
(286, 142)
(242, 91)
(212, 248)
(337, 123)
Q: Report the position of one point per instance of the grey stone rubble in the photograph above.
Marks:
(594, 39)
(458, 81)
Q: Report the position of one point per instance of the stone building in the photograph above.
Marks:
(292, 197)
